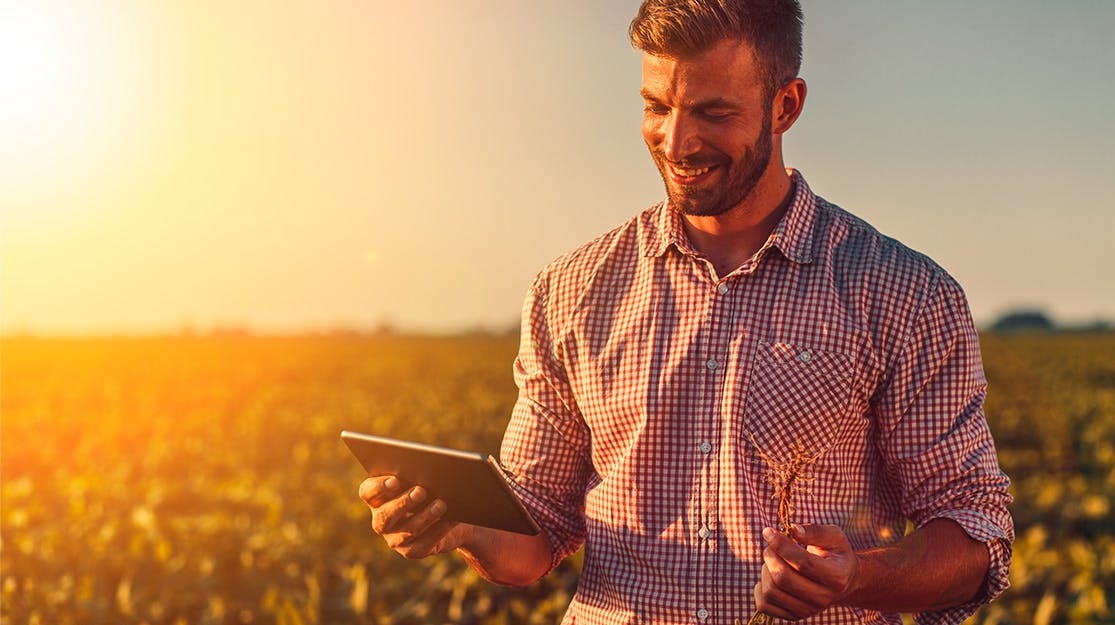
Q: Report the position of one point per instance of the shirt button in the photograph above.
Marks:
(704, 533)
(722, 288)
(805, 356)
(702, 614)
(705, 447)
(711, 364)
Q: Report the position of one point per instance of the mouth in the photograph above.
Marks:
(690, 175)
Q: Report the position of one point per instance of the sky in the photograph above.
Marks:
(346, 164)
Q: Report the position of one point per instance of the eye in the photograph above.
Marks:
(716, 115)
(654, 108)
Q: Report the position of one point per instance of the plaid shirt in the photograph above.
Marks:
(646, 382)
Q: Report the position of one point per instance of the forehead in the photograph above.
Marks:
(726, 70)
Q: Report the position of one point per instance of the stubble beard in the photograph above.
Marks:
(742, 177)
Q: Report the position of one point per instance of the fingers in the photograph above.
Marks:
(431, 541)
(784, 592)
(779, 605)
(421, 532)
(410, 512)
(796, 581)
(824, 537)
(823, 555)
(408, 521)
(375, 491)
(791, 553)
(394, 510)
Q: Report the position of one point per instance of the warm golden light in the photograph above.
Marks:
(75, 97)
(296, 165)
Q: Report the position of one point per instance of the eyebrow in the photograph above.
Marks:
(715, 103)
(703, 104)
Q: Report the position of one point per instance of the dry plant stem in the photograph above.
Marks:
(785, 476)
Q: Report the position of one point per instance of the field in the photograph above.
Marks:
(201, 479)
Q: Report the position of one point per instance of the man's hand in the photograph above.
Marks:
(800, 580)
(411, 524)
(415, 527)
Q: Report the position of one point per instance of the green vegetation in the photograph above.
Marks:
(1051, 407)
(202, 480)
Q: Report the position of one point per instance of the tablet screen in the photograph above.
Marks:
(471, 484)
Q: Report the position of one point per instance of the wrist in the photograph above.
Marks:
(853, 586)
(503, 557)
(469, 538)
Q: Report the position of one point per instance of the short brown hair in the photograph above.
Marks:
(682, 28)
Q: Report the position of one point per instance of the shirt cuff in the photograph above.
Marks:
(997, 539)
(564, 532)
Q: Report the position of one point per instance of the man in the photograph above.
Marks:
(671, 367)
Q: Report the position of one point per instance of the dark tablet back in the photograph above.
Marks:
(471, 484)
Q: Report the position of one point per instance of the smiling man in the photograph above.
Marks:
(745, 321)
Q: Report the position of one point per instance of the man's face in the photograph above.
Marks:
(707, 123)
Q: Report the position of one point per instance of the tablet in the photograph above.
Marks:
(470, 483)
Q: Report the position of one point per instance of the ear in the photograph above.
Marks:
(787, 106)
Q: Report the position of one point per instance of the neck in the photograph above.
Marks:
(732, 237)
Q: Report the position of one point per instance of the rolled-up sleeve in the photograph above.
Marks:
(545, 449)
(935, 441)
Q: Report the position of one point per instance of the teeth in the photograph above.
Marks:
(689, 173)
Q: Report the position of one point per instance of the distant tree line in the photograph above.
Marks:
(1036, 320)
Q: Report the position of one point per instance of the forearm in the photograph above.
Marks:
(505, 557)
(937, 566)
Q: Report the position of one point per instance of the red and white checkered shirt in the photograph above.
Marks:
(643, 377)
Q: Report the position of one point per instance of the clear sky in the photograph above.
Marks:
(302, 165)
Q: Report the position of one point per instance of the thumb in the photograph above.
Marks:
(826, 537)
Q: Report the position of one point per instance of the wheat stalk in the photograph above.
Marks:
(786, 476)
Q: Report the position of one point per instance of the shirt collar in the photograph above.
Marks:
(793, 236)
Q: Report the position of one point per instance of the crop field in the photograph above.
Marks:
(201, 480)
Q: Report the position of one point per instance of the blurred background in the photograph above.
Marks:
(230, 230)
(356, 164)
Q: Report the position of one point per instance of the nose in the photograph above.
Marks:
(680, 139)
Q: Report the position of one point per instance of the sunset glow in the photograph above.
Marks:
(75, 100)
(358, 163)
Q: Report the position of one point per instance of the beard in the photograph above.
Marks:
(740, 179)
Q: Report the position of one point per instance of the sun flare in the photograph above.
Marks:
(75, 96)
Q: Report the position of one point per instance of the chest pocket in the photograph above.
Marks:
(798, 398)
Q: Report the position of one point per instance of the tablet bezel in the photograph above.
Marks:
(471, 484)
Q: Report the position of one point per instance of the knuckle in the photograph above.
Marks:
(431, 515)
(778, 575)
(381, 521)
(769, 553)
(773, 566)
